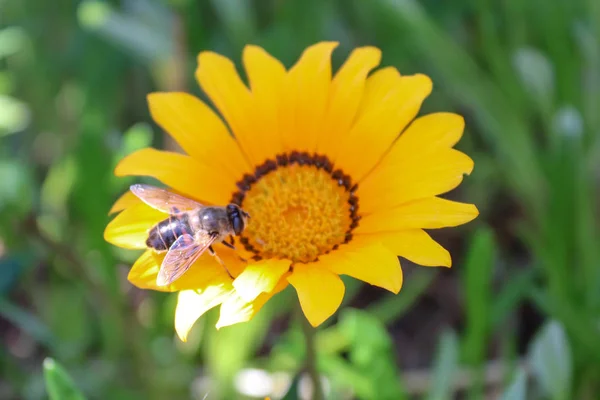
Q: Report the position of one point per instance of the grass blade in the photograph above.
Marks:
(445, 366)
(59, 384)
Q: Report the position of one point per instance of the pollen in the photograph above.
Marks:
(300, 208)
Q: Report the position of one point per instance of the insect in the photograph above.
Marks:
(190, 230)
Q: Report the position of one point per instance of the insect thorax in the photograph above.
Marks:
(214, 220)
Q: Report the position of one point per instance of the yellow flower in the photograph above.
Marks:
(336, 175)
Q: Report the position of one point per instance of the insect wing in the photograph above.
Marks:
(163, 200)
(181, 255)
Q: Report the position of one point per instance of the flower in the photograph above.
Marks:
(336, 175)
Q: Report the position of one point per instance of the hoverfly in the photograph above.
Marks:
(189, 231)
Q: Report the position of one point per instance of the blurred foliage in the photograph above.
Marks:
(525, 74)
(59, 384)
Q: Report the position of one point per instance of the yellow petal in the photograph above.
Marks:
(370, 262)
(429, 213)
(130, 228)
(389, 104)
(143, 272)
(320, 291)
(220, 81)
(180, 172)
(260, 277)
(266, 76)
(192, 304)
(391, 185)
(415, 245)
(126, 200)
(307, 94)
(205, 270)
(199, 131)
(345, 96)
(427, 134)
(235, 309)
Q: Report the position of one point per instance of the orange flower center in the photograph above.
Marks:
(300, 208)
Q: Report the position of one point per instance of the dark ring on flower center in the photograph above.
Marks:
(303, 159)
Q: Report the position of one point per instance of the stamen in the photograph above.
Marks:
(301, 208)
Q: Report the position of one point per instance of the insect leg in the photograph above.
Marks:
(213, 253)
(227, 244)
(231, 246)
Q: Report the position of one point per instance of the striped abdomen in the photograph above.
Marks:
(164, 234)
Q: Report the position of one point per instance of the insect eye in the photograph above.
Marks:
(238, 225)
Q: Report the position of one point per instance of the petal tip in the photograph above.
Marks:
(123, 165)
(182, 336)
(114, 209)
(319, 49)
(427, 83)
(153, 97)
(470, 166)
(106, 234)
(447, 261)
(471, 213)
(109, 234)
(157, 99)
(327, 43)
(252, 48)
(130, 164)
(376, 51)
(377, 56)
(211, 57)
(397, 282)
(475, 211)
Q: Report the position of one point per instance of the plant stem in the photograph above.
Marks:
(311, 356)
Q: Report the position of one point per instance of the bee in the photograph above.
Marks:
(189, 231)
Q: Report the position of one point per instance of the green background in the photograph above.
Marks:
(518, 315)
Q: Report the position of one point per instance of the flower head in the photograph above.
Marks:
(336, 175)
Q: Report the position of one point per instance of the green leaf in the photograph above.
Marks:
(479, 268)
(511, 295)
(573, 319)
(14, 115)
(362, 329)
(551, 360)
(59, 384)
(371, 353)
(517, 390)
(537, 75)
(238, 20)
(344, 375)
(445, 366)
(568, 123)
(147, 41)
(135, 138)
(12, 40)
